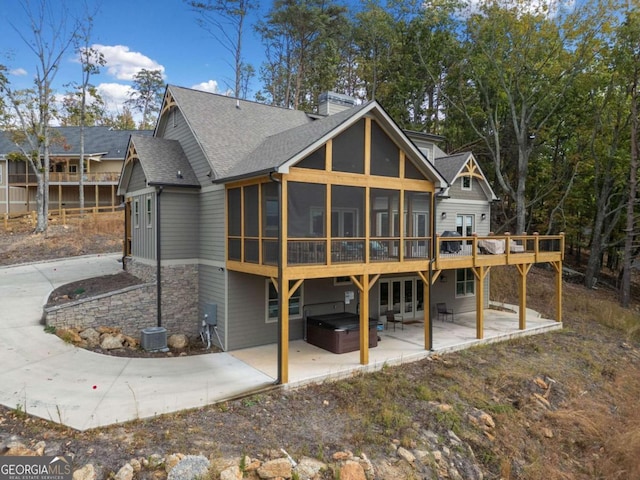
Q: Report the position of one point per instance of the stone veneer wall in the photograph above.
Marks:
(134, 308)
(130, 309)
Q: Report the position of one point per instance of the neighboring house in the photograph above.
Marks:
(104, 155)
(242, 208)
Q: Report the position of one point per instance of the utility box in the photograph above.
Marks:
(154, 338)
(211, 314)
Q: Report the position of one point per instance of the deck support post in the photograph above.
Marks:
(480, 274)
(557, 266)
(364, 320)
(426, 285)
(523, 269)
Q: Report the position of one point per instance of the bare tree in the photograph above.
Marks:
(91, 60)
(48, 39)
(224, 20)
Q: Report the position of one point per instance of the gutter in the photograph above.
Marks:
(159, 191)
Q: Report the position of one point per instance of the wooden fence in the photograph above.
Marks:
(64, 215)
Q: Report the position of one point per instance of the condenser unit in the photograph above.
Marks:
(154, 338)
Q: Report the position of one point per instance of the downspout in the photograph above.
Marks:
(281, 303)
(158, 256)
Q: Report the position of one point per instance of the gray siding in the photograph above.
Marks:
(456, 207)
(446, 292)
(212, 289)
(212, 226)
(246, 315)
(476, 192)
(179, 212)
(178, 129)
(137, 180)
(143, 240)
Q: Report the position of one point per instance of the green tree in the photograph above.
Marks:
(224, 21)
(121, 120)
(520, 63)
(146, 96)
(298, 35)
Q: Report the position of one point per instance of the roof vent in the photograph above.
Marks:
(332, 102)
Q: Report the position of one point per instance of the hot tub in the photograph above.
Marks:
(339, 332)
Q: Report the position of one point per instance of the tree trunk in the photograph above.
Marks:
(625, 288)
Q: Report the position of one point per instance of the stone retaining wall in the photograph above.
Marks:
(130, 309)
(134, 308)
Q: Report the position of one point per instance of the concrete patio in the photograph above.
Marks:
(310, 364)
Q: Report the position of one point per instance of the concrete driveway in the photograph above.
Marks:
(45, 377)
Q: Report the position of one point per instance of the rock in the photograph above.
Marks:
(125, 473)
(68, 335)
(231, 473)
(20, 451)
(91, 336)
(110, 342)
(190, 468)
(406, 455)
(352, 471)
(88, 472)
(178, 341)
(40, 448)
(341, 456)
(547, 432)
(367, 466)
(309, 467)
(541, 383)
(135, 463)
(108, 330)
(130, 341)
(487, 420)
(154, 461)
(172, 460)
(280, 467)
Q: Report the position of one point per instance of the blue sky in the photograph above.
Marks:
(132, 34)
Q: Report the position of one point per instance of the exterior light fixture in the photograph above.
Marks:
(483, 216)
(443, 215)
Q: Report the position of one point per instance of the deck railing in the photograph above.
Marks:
(61, 177)
(63, 215)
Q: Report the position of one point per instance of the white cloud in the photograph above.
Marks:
(548, 8)
(114, 94)
(123, 64)
(210, 86)
(18, 72)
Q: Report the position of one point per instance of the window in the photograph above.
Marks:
(149, 211)
(295, 302)
(465, 225)
(466, 182)
(338, 281)
(465, 282)
(136, 213)
(73, 168)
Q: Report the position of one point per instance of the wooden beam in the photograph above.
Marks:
(297, 174)
(355, 281)
(434, 276)
(426, 289)
(293, 289)
(284, 332)
(523, 270)
(364, 320)
(480, 274)
(275, 283)
(373, 280)
(557, 266)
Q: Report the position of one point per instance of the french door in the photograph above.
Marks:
(404, 296)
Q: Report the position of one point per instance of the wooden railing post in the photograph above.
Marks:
(536, 244)
(6, 221)
(64, 216)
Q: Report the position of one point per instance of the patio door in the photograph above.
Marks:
(403, 296)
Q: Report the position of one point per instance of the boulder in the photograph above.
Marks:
(125, 473)
(91, 336)
(352, 471)
(178, 341)
(88, 472)
(280, 467)
(309, 467)
(191, 467)
(110, 342)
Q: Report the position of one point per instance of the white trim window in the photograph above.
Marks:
(465, 283)
(149, 211)
(136, 213)
(466, 182)
(295, 302)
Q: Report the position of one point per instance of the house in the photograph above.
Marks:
(104, 155)
(277, 225)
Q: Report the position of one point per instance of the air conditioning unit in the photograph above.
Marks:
(154, 338)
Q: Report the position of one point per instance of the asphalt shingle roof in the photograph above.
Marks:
(164, 162)
(66, 141)
(229, 129)
(450, 165)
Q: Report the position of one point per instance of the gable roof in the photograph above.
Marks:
(228, 129)
(98, 141)
(451, 166)
(242, 138)
(163, 162)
